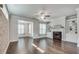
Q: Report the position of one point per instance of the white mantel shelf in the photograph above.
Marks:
(58, 30)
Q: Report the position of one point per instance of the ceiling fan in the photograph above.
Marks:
(43, 15)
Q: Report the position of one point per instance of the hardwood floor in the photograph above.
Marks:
(41, 46)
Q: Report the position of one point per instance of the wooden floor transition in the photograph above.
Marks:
(41, 46)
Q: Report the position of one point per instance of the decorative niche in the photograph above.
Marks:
(71, 23)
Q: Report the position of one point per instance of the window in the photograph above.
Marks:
(25, 27)
(20, 28)
(42, 28)
(31, 28)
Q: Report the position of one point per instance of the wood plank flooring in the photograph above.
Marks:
(41, 46)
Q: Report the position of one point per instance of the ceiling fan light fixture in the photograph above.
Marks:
(47, 15)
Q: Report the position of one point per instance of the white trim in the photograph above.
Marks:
(4, 52)
(13, 40)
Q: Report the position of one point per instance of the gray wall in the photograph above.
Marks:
(14, 28)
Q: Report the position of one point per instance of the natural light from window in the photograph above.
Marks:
(20, 28)
(42, 28)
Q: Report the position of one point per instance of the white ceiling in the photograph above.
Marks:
(55, 10)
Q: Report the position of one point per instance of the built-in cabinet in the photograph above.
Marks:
(71, 28)
(77, 11)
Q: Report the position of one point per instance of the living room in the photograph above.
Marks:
(39, 28)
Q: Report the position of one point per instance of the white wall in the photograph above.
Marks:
(58, 21)
(4, 33)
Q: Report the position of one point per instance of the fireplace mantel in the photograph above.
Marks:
(58, 29)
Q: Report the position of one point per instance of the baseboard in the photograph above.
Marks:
(6, 48)
(13, 40)
(70, 42)
(77, 45)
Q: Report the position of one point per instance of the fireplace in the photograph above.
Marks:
(57, 37)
